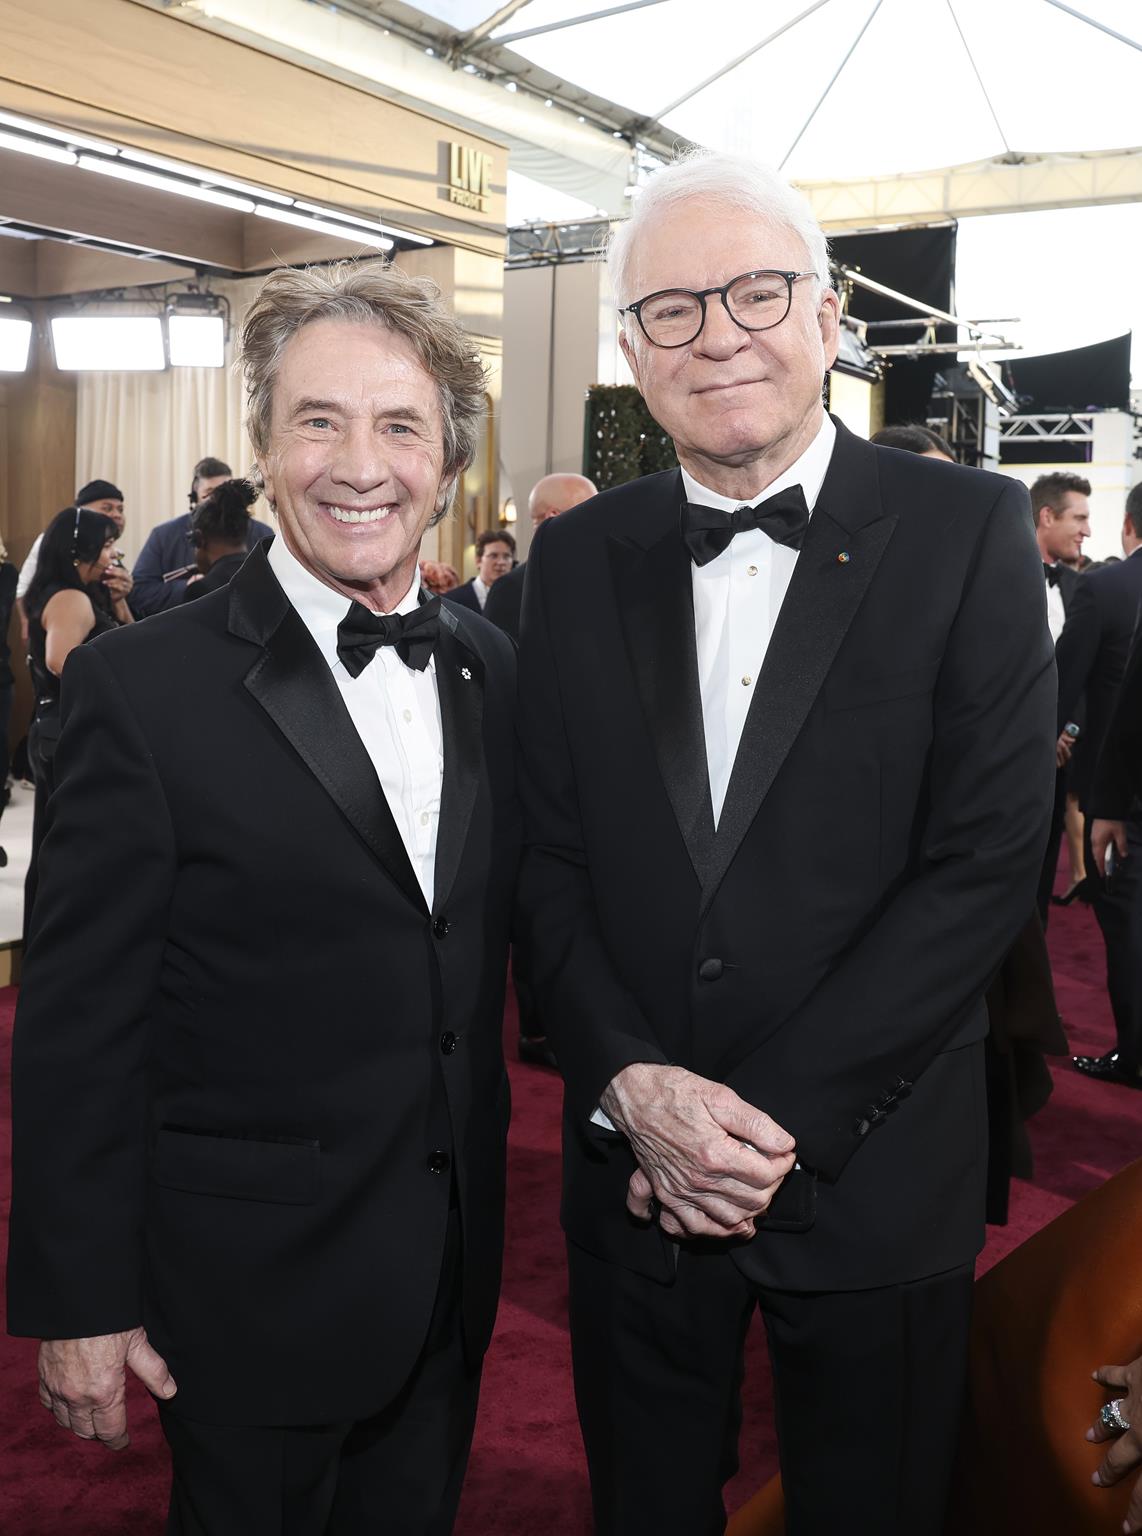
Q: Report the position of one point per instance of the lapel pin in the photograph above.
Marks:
(844, 557)
(465, 674)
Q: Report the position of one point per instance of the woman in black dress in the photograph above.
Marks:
(67, 604)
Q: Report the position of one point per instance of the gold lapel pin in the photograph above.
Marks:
(844, 557)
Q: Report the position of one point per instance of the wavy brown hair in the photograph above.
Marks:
(383, 295)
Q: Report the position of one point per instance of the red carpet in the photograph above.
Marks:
(527, 1471)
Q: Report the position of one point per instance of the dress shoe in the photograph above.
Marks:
(535, 1050)
(1107, 1069)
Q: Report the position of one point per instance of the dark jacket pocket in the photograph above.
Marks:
(854, 693)
(237, 1168)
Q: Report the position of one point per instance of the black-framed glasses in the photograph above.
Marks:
(757, 301)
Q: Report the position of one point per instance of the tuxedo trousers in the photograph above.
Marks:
(868, 1391)
(1118, 909)
(397, 1473)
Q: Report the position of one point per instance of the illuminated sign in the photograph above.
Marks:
(469, 177)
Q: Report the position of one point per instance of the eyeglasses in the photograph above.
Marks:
(757, 301)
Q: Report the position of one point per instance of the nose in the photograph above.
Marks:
(361, 458)
(720, 337)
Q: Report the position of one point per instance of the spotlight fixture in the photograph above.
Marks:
(15, 343)
(197, 327)
(109, 343)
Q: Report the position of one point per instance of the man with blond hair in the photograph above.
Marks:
(786, 783)
(260, 1106)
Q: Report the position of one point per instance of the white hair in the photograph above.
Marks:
(733, 179)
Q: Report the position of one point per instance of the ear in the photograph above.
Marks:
(267, 482)
(630, 354)
(829, 323)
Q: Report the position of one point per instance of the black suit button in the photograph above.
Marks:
(711, 970)
(902, 1087)
(861, 1128)
(439, 1162)
(440, 927)
(448, 1042)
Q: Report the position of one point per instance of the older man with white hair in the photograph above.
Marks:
(787, 780)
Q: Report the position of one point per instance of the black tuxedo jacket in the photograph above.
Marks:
(505, 601)
(250, 1065)
(464, 597)
(825, 950)
(1118, 779)
(1092, 653)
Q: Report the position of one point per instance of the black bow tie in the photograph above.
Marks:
(360, 634)
(1051, 572)
(706, 531)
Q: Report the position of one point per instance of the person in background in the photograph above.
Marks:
(549, 496)
(1092, 656)
(911, 437)
(220, 531)
(8, 579)
(495, 554)
(96, 496)
(167, 560)
(1060, 510)
(68, 604)
(439, 577)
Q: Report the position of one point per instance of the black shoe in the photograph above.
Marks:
(1107, 1069)
(1082, 890)
(535, 1050)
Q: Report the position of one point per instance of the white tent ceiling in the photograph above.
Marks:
(833, 90)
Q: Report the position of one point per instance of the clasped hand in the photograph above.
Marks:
(83, 1382)
(712, 1161)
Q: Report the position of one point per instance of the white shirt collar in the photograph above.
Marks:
(321, 608)
(808, 471)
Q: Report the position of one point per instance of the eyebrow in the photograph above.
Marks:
(310, 406)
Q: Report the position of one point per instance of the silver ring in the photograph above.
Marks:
(1111, 1417)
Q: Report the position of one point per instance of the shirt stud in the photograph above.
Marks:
(844, 557)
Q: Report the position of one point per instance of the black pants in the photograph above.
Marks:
(1118, 908)
(397, 1473)
(1054, 843)
(868, 1389)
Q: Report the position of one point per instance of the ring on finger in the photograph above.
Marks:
(1112, 1418)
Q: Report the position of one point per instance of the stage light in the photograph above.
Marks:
(196, 341)
(200, 173)
(109, 343)
(322, 227)
(15, 343)
(64, 135)
(41, 151)
(362, 223)
(131, 173)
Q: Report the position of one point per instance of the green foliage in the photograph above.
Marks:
(622, 440)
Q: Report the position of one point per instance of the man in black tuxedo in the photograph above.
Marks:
(1060, 507)
(786, 788)
(260, 1104)
(1092, 654)
(549, 496)
(495, 552)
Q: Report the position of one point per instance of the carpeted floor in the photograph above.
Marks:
(527, 1471)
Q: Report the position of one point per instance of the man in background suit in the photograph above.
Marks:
(260, 1107)
(549, 496)
(495, 552)
(1060, 508)
(786, 784)
(1092, 654)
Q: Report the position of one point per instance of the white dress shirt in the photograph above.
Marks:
(737, 598)
(28, 569)
(395, 709)
(1056, 613)
(481, 589)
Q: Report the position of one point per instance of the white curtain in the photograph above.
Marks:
(146, 431)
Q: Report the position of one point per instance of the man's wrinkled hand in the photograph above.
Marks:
(711, 1161)
(83, 1382)
(1125, 1454)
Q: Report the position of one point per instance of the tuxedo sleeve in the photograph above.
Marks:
(1077, 650)
(1118, 775)
(897, 997)
(593, 1020)
(106, 879)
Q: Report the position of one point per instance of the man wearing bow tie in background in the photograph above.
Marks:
(261, 1162)
(786, 786)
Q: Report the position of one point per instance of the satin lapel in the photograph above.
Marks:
(293, 684)
(460, 684)
(655, 598)
(847, 535)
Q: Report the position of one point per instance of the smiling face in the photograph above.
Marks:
(355, 460)
(740, 405)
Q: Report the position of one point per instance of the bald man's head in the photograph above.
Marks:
(558, 493)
